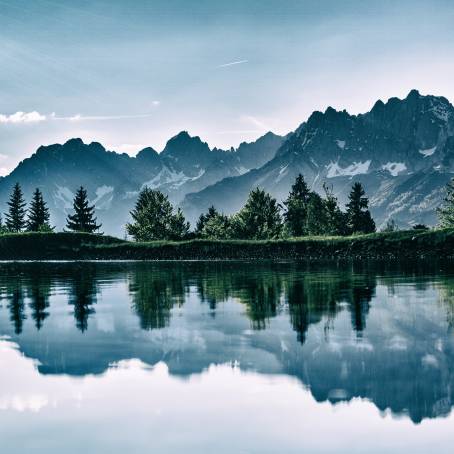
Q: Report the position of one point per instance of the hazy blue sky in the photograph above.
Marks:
(130, 74)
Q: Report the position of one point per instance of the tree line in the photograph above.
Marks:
(303, 213)
(37, 217)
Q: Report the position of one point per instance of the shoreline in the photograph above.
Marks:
(411, 244)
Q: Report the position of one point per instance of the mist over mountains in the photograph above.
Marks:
(402, 151)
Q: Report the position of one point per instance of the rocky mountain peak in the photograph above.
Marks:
(147, 153)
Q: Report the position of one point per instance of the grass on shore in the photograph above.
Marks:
(78, 246)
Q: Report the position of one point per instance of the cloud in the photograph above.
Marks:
(255, 121)
(232, 63)
(79, 117)
(22, 117)
(36, 117)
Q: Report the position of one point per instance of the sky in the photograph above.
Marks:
(132, 74)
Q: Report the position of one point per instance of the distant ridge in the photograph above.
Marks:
(402, 150)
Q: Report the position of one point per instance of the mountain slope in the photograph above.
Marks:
(113, 180)
(402, 151)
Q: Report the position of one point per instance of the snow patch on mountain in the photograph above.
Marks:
(63, 197)
(441, 111)
(428, 152)
(394, 168)
(282, 173)
(430, 202)
(381, 195)
(341, 144)
(166, 176)
(357, 168)
(104, 196)
(241, 170)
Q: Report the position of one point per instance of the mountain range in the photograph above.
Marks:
(402, 151)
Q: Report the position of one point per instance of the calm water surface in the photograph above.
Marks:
(226, 358)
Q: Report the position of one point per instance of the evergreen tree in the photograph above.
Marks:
(83, 219)
(204, 218)
(259, 219)
(446, 211)
(335, 218)
(316, 221)
(153, 218)
(15, 218)
(420, 227)
(38, 214)
(218, 228)
(359, 219)
(178, 227)
(296, 206)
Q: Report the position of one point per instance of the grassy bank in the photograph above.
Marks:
(79, 246)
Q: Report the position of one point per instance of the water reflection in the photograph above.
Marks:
(376, 331)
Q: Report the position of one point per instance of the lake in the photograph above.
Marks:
(226, 357)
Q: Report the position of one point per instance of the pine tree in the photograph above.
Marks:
(204, 218)
(218, 227)
(259, 219)
(154, 219)
(446, 211)
(178, 227)
(316, 221)
(83, 219)
(335, 218)
(15, 218)
(296, 206)
(38, 214)
(359, 219)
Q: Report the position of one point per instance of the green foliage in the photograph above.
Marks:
(38, 214)
(260, 217)
(335, 219)
(154, 219)
(306, 213)
(316, 221)
(204, 218)
(83, 219)
(359, 219)
(70, 246)
(296, 206)
(179, 228)
(218, 228)
(15, 218)
(214, 225)
(446, 211)
(420, 227)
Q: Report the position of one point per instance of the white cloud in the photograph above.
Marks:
(79, 117)
(255, 121)
(232, 63)
(22, 117)
(35, 117)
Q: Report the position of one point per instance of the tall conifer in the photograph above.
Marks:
(38, 213)
(83, 219)
(15, 218)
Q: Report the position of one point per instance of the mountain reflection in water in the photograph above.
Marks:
(375, 331)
